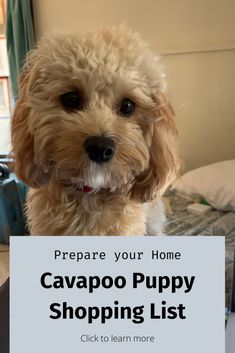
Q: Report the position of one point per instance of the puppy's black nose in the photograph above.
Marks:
(100, 149)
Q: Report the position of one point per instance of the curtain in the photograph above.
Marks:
(20, 37)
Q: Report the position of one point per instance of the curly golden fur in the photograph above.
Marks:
(48, 140)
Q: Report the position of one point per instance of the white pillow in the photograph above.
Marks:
(215, 183)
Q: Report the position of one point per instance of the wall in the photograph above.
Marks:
(197, 41)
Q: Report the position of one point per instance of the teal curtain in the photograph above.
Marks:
(20, 37)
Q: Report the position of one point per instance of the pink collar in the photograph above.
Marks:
(86, 189)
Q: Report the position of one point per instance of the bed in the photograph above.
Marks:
(217, 223)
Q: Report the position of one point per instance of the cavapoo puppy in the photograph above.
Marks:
(93, 134)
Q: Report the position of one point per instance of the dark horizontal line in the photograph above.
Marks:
(199, 51)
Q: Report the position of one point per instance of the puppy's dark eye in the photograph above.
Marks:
(71, 100)
(127, 107)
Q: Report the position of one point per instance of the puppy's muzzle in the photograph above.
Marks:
(100, 149)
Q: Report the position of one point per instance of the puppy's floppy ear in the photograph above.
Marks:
(25, 166)
(163, 149)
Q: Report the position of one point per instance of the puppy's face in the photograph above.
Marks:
(92, 114)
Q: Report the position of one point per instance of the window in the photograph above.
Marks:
(5, 99)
